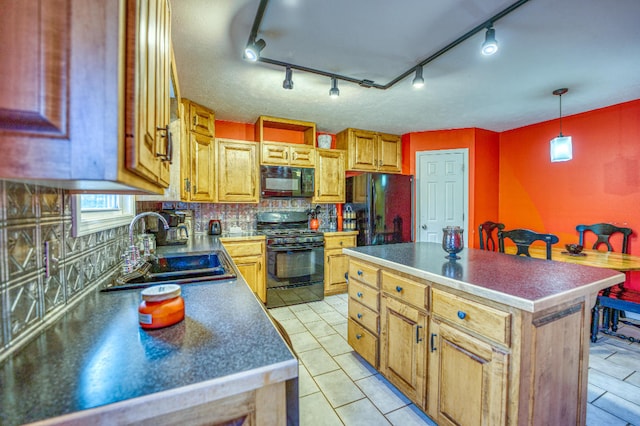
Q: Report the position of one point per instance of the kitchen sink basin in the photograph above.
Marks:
(177, 269)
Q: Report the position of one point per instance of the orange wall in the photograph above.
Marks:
(600, 184)
(246, 132)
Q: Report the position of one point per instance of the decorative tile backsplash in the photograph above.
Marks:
(31, 215)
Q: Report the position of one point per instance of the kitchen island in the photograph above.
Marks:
(95, 365)
(487, 339)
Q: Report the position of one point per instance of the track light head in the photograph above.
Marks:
(334, 92)
(418, 81)
(288, 82)
(490, 45)
(253, 49)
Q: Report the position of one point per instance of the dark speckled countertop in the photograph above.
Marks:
(97, 354)
(522, 282)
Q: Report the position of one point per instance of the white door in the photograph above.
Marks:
(442, 193)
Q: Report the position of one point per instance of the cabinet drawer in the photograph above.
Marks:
(364, 316)
(365, 295)
(363, 342)
(243, 248)
(405, 289)
(363, 273)
(339, 242)
(482, 319)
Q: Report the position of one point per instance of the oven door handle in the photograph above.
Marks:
(293, 248)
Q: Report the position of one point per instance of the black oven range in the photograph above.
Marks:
(295, 258)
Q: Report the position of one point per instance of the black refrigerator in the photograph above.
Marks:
(383, 204)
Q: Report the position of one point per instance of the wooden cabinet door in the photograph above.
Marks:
(302, 155)
(202, 168)
(237, 171)
(252, 270)
(363, 150)
(403, 357)
(329, 176)
(201, 120)
(145, 65)
(276, 154)
(389, 153)
(35, 109)
(468, 380)
(336, 265)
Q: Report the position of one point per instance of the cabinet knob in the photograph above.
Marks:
(359, 315)
(360, 273)
(340, 242)
(462, 314)
(359, 294)
(398, 288)
(358, 336)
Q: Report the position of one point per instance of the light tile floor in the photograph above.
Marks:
(337, 387)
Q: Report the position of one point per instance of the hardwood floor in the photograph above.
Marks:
(337, 387)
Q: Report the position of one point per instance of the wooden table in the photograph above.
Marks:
(600, 259)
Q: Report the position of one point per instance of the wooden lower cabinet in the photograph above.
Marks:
(336, 264)
(469, 378)
(403, 358)
(249, 256)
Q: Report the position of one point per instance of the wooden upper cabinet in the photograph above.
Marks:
(201, 168)
(201, 120)
(62, 115)
(284, 154)
(237, 165)
(148, 64)
(197, 154)
(371, 151)
(329, 176)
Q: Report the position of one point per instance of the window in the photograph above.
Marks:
(96, 212)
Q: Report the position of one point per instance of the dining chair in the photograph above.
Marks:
(610, 306)
(485, 232)
(603, 232)
(523, 238)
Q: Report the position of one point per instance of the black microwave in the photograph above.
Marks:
(281, 181)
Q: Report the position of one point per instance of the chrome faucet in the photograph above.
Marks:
(132, 257)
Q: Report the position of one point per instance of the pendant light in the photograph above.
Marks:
(561, 149)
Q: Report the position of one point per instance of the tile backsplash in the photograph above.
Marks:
(242, 215)
(31, 215)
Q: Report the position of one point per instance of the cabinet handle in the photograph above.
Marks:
(398, 288)
(433, 342)
(359, 294)
(165, 133)
(360, 273)
(346, 276)
(418, 339)
(462, 314)
(294, 156)
(187, 185)
(286, 155)
(359, 315)
(340, 242)
(195, 120)
(358, 336)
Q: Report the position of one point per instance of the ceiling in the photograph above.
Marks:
(591, 47)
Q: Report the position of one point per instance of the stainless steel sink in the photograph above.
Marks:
(177, 269)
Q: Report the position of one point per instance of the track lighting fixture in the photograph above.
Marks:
(253, 49)
(561, 149)
(490, 45)
(288, 82)
(334, 92)
(418, 81)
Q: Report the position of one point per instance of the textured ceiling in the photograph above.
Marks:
(590, 46)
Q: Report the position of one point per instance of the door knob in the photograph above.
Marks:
(424, 227)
